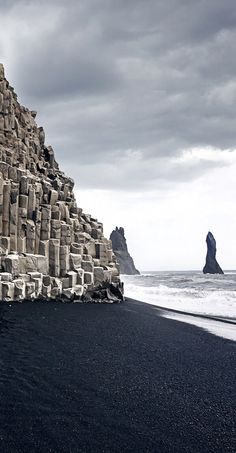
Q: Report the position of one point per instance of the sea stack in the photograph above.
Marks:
(211, 266)
(120, 249)
(49, 248)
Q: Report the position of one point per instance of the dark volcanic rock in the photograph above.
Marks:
(211, 266)
(108, 292)
(120, 249)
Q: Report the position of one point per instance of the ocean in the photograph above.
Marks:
(191, 293)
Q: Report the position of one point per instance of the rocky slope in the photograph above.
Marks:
(211, 266)
(120, 248)
(49, 248)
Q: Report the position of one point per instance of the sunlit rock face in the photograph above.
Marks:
(49, 248)
(120, 248)
(211, 266)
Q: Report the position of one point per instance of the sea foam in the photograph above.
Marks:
(187, 292)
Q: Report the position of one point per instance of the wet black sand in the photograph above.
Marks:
(112, 378)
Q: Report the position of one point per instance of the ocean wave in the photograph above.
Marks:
(207, 298)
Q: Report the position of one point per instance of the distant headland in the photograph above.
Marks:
(119, 245)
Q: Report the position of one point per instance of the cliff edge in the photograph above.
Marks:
(49, 248)
(211, 266)
(120, 249)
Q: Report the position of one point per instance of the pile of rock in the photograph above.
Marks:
(48, 247)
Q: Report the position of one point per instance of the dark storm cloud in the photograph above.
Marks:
(6, 4)
(123, 88)
(68, 76)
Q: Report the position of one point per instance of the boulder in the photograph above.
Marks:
(8, 290)
(107, 292)
(30, 290)
(87, 266)
(11, 265)
(75, 261)
(33, 263)
(19, 289)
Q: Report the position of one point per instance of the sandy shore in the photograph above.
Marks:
(112, 378)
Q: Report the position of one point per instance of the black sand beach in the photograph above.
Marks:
(112, 378)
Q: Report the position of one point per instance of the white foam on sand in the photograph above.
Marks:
(206, 302)
(190, 293)
(218, 328)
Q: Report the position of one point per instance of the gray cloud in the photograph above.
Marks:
(116, 80)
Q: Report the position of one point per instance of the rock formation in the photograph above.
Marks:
(211, 266)
(49, 248)
(120, 248)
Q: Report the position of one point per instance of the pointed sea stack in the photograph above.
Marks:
(120, 249)
(49, 248)
(211, 266)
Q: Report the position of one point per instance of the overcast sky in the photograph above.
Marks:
(138, 100)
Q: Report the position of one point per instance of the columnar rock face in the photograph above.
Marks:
(49, 248)
(211, 266)
(120, 248)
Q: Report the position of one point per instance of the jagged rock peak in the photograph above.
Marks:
(2, 73)
(120, 249)
(211, 266)
(49, 248)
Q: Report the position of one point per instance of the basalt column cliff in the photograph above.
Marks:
(48, 247)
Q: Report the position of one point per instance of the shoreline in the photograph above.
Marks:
(197, 315)
(112, 378)
(215, 325)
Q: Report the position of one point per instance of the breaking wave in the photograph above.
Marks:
(189, 292)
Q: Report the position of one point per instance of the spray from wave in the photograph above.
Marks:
(188, 292)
